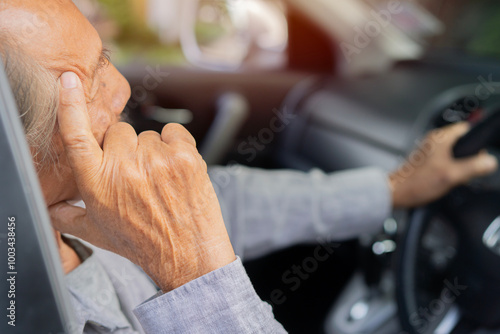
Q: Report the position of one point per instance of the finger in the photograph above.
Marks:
(82, 149)
(479, 165)
(119, 139)
(175, 132)
(150, 143)
(458, 130)
(453, 132)
(69, 219)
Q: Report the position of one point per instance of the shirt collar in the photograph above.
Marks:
(94, 296)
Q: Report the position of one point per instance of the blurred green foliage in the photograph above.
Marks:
(487, 38)
(206, 33)
(132, 30)
(155, 54)
(136, 40)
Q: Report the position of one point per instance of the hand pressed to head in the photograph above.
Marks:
(148, 197)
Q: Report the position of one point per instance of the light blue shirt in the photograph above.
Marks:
(264, 211)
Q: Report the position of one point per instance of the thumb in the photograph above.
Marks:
(83, 151)
(479, 165)
(70, 219)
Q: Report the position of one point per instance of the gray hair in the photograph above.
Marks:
(36, 93)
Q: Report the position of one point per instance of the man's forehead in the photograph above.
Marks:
(53, 32)
(35, 13)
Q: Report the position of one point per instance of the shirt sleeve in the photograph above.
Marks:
(223, 301)
(266, 210)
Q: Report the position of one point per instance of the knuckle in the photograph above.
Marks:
(174, 132)
(453, 177)
(78, 141)
(153, 160)
(118, 131)
(185, 155)
(149, 136)
(203, 163)
(174, 127)
(188, 160)
(120, 127)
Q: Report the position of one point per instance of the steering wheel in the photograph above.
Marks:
(448, 263)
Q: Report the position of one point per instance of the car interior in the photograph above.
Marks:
(318, 84)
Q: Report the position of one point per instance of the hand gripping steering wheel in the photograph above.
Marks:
(448, 263)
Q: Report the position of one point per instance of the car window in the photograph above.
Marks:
(124, 29)
(158, 31)
(471, 27)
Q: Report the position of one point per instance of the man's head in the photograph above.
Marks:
(40, 41)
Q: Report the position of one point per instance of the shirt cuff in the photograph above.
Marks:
(222, 301)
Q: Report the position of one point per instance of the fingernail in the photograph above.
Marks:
(69, 80)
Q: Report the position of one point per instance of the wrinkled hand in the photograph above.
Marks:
(431, 170)
(148, 197)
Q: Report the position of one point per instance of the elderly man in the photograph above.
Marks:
(149, 198)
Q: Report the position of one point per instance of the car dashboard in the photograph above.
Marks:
(372, 121)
